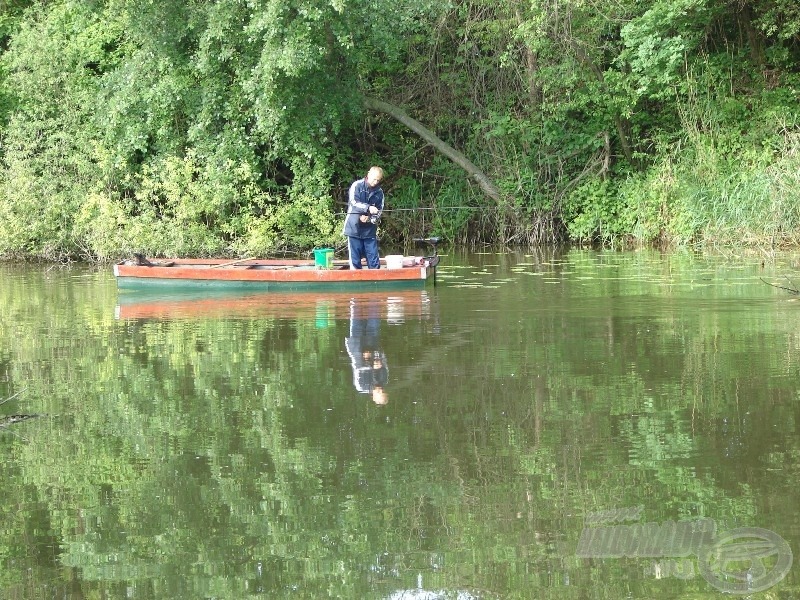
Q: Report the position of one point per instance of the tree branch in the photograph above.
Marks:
(473, 172)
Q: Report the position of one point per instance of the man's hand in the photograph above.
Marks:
(363, 218)
(373, 210)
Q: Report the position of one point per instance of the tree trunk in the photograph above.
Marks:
(473, 172)
(754, 39)
(532, 68)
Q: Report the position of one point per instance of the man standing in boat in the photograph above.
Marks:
(364, 208)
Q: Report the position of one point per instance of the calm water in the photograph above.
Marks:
(577, 425)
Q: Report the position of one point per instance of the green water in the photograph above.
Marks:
(553, 424)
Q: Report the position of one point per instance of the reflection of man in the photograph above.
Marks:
(370, 373)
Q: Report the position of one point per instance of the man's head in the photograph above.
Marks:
(374, 177)
(379, 396)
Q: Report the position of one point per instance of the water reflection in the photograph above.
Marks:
(364, 312)
(218, 447)
(324, 308)
(363, 344)
(367, 359)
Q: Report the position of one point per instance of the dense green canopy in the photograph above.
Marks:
(234, 127)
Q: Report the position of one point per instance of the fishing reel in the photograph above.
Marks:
(428, 241)
(374, 219)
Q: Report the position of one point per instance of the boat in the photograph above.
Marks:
(272, 275)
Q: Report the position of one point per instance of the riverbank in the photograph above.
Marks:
(698, 195)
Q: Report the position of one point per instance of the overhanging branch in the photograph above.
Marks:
(473, 172)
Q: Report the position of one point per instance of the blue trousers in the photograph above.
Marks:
(363, 248)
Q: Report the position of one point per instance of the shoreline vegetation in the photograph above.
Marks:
(233, 129)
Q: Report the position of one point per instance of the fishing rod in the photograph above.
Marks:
(389, 210)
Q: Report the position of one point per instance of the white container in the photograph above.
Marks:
(394, 261)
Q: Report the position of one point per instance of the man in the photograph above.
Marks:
(364, 208)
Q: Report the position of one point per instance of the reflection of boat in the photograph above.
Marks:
(269, 275)
(325, 307)
(420, 594)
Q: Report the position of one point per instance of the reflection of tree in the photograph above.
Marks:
(180, 460)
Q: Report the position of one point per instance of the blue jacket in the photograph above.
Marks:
(361, 197)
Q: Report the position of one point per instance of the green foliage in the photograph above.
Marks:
(657, 42)
(780, 18)
(305, 221)
(650, 198)
(48, 162)
(719, 184)
(181, 208)
(597, 212)
(185, 128)
(213, 127)
(705, 196)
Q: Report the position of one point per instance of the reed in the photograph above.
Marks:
(744, 199)
(720, 185)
